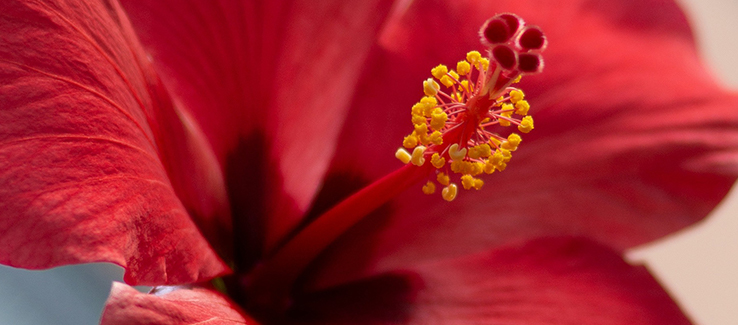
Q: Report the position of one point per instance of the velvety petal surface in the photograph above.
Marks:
(171, 306)
(633, 138)
(546, 281)
(270, 83)
(562, 280)
(94, 158)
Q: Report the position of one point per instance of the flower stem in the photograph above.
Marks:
(273, 279)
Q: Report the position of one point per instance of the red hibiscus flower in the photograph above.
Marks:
(221, 144)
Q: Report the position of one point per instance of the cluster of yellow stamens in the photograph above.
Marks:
(450, 122)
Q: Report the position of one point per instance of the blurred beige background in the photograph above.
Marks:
(699, 266)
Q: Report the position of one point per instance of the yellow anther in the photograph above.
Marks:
(449, 192)
(465, 86)
(443, 179)
(478, 183)
(506, 154)
(447, 81)
(507, 111)
(410, 141)
(428, 105)
(438, 119)
(455, 153)
(496, 142)
(430, 87)
(485, 149)
(497, 161)
(477, 168)
(456, 166)
(512, 142)
(418, 109)
(489, 168)
(436, 138)
(467, 181)
(522, 107)
(516, 96)
(423, 138)
(403, 155)
(463, 67)
(501, 166)
(517, 79)
(473, 57)
(421, 129)
(418, 119)
(439, 71)
(417, 157)
(482, 150)
(429, 188)
(467, 167)
(485, 63)
(526, 125)
(438, 161)
(428, 100)
(496, 158)
(428, 112)
(454, 74)
(474, 152)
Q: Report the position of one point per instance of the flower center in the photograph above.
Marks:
(450, 138)
(450, 121)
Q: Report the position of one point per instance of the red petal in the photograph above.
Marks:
(89, 144)
(633, 139)
(282, 73)
(561, 280)
(176, 306)
(547, 281)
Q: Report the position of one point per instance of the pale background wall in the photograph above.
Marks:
(699, 265)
